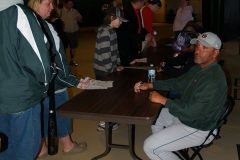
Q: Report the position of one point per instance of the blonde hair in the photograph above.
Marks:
(34, 4)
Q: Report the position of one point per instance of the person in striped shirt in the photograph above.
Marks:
(106, 57)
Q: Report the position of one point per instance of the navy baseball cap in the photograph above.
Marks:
(183, 40)
(115, 11)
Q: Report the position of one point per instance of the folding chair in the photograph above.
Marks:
(196, 150)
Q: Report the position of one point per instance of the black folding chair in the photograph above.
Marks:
(196, 150)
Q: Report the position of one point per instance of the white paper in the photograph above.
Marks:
(89, 83)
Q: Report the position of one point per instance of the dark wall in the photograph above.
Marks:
(222, 17)
(231, 24)
(90, 11)
(212, 16)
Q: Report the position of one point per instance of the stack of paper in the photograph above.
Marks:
(142, 60)
(89, 83)
(138, 67)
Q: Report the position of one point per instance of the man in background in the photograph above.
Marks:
(147, 19)
(182, 63)
(70, 17)
(130, 35)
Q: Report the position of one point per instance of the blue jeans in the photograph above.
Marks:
(24, 134)
(63, 124)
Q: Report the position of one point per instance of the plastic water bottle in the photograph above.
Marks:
(151, 73)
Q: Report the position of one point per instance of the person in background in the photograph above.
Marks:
(25, 70)
(185, 122)
(182, 63)
(106, 56)
(59, 5)
(59, 26)
(70, 17)
(125, 3)
(64, 79)
(183, 15)
(131, 34)
(147, 19)
(122, 47)
(194, 27)
(112, 4)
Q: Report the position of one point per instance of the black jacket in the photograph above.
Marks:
(129, 40)
(185, 60)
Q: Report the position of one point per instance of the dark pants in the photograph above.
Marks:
(98, 77)
(176, 33)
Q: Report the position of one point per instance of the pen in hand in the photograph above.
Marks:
(139, 84)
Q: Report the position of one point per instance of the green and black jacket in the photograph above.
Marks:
(203, 95)
(25, 68)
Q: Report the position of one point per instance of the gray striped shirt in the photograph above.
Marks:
(106, 57)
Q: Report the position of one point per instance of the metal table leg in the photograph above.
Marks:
(131, 137)
(108, 136)
(109, 145)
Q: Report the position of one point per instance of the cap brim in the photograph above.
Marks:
(123, 19)
(120, 15)
(176, 47)
(194, 41)
(205, 43)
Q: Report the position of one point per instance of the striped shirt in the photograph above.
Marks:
(106, 57)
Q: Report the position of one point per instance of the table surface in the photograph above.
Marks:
(120, 103)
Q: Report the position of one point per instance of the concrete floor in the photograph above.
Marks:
(84, 130)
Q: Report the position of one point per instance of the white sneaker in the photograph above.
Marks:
(101, 126)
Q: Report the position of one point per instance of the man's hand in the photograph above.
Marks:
(154, 43)
(142, 86)
(157, 98)
(176, 54)
(134, 61)
(159, 69)
(120, 68)
(148, 37)
(79, 18)
(162, 64)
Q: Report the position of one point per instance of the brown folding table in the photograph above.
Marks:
(120, 103)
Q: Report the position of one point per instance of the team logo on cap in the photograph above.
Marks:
(181, 39)
(204, 35)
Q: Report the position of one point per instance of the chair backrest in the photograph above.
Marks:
(221, 62)
(226, 109)
(223, 119)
